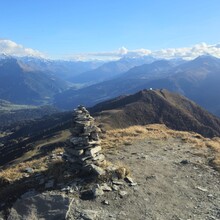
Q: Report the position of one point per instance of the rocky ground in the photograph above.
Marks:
(170, 180)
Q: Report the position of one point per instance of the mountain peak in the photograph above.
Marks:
(158, 106)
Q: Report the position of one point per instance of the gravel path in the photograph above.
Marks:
(173, 182)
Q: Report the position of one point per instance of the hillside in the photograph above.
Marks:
(158, 106)
(21, 85)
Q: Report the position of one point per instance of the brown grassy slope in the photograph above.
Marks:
(157, 106)
(115, 138)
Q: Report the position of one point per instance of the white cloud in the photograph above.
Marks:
(111, 55)
(188, 52)
(11, 48)
(169, 53)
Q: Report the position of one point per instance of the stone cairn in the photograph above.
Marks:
(84, 151)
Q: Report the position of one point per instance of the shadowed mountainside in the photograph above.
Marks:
(157, 106)
(21, 85)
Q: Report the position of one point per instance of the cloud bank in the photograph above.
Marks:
(170, 53)
(9, 47)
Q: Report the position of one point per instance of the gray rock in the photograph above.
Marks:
(105, 187)
(122, 193)
(44, 206)
(29, 170)
(92, 151)
(105, 202)
(97, 191)
(99, 157)
(115, 187)
(49, 184)
(129, 179)
(97, 170)
(74, 151)
(89, 215)
(202, 189)
(133, 184)
(117, 183)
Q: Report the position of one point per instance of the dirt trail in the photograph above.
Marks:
(167, 189)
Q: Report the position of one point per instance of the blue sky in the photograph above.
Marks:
(63, 27)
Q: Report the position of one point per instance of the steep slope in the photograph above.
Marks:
(158, 106)
(23, 86)
(199, 80)
(111, 69)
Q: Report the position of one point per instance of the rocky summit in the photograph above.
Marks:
(83, 151)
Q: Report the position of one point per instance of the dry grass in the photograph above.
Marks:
(122, 170)
(112, 139)
(117, 137)
(42, 164)
(18, 171)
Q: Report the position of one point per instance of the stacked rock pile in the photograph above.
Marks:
(84, 150)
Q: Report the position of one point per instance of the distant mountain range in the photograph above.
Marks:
(62, 69)
(198, 80)
(22, 85)
(111, 69)
(66, 84)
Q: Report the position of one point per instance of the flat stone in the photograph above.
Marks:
(105, 187)
(117, 183)
(129, 179)
(202, 189)
(91, 128)
(133, 184)
(74, 151)
(93, 151)
(29, 170)
(89, 215)
(97, 170)
(97, 191)
(79, 140)
(184, 162)
(94, 142)
(115, 187)
(99, 157)
(40, 206)
(122, 193)
(105, 202)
